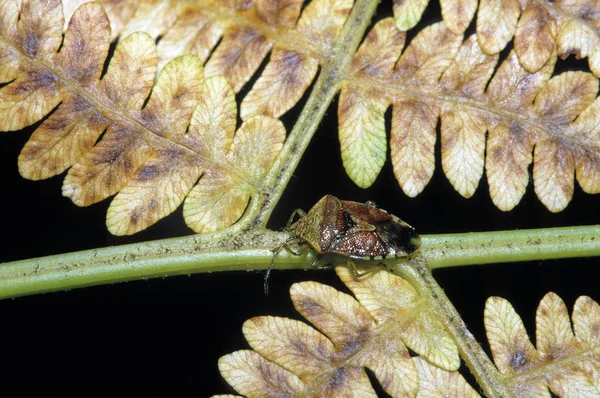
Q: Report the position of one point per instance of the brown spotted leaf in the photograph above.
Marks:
(435, 382)
(458, 14)
(119, 12)
(35, 34)
(153, 17)
(372, 85)
(361, 110)
(152, 153)
(496, 23)
(246, 31)
(289, 71)
(567, 358)
(193, 32)
(570, 26)
(534, 37)
(222, 193)
(579, 31)
(348, 336)
(527, 117)
(254, 376)
(243, 48)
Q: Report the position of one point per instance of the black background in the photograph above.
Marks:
(163, 337)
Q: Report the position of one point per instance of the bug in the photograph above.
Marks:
(346, 229)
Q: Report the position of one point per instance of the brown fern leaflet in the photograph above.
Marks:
(573, 26)
(248, 31)
(529, 117)
(145, 155)
(142, 146)
(567, 359)
(291, 357)
(438, 75)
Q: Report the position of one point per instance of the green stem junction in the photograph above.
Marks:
(252, 251)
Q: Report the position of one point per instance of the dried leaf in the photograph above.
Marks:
(579, 32)
(291, 68)
(413, 121)
(289, 72)
(573, 27)
(284, 80)
(193, 32)
(463, 130)
(496, 23)
(322, 21)
(563, 98)
(240, 53)
(463, 145)
(438, 383)
(407, 13)
(361, 112)
(437, 76)
(458, 14)
(247, 32)
(252, 375)
(566, 363)
(222, 194)
(153, 17)
(534, 38)
(118, 11)
(412, 142)
(37, 34)
(226, 396)
(349, 336)
(385, 295)
(587, 128)
(72, 130)
(147, 156)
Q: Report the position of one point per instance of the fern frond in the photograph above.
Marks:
(536, 26)
(440, 76)
(566, 361)
(437, 76)
(457, 14)
(435, 382)
(119, 12)
(291, 357)
(145, 156)
(248, 31)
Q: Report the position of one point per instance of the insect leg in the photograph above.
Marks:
(357, 274)
(284, 245)
(316, 261)
(297, 212)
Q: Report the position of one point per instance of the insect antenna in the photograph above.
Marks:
(268, 273)
(276, 251)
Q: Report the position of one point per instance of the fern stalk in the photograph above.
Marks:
(226, 251)
(509, 246)
(419, 274)
(323, 92)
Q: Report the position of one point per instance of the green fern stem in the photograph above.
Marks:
(227, 251)
(324, 90)
(453, 250)
(419, 274)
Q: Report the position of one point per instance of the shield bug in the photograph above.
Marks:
(350, 230)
